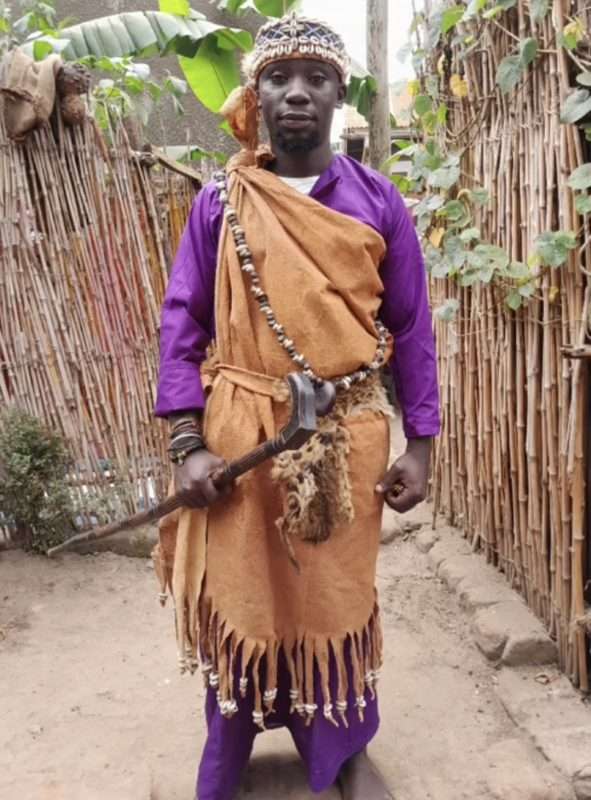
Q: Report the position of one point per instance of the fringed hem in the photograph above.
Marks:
(230, 663)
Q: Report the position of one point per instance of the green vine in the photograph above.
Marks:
(450, 199)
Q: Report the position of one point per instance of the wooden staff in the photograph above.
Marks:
(306, 404)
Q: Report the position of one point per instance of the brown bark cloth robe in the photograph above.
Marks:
(238, 597)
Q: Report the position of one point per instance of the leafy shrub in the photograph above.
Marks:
(35, 501)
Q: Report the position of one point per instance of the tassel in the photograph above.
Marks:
(258, 716)
(323, 661)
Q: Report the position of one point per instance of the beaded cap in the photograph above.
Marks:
(293, 36)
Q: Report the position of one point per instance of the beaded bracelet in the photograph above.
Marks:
(247, 266)
(183, 445)
(185, 423)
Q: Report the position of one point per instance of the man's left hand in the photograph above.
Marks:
(405, 484)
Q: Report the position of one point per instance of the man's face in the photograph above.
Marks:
(298, 98)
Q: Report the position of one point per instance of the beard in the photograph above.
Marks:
(297, 144)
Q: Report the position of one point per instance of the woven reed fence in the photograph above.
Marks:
(511, 465)
(87, 236)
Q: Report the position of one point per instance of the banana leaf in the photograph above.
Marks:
(268, 8)
(361, 89)
(147, 33)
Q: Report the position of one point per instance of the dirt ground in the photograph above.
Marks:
(92, 706)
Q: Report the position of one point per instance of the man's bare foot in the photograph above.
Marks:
(359, 779)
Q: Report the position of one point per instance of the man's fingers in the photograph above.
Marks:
(405, 499)
(210, 493)
(401, 501)
(389, 487)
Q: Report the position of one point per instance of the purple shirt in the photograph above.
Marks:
(350, 188)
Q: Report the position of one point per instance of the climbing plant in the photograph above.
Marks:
(450, 200)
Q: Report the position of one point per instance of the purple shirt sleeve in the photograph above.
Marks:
(405, 312)
(187, 323)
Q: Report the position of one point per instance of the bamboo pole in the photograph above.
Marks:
(515, 408)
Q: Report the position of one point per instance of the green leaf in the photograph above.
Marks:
(453, 210)
(470, 235)
(274, 8)
(212, 74)
(514, 299)
(567, 40)
(42, 46)
(41, 49)
(577, 106)
(233, 39)
(138, 70)
(518, 270)
(553, 247)
(580, 179)
(498, 257)
(434, 201)
(176, 86)
(583, 204)
(447, 311)
(455, 251)
(527, 289)
(46, 10)
(479, 196)
(179, 7)
(444, 178)
(143, 33)
(528, 50)
(439, 267)
(451, 17)
(154, 90)
(360, 93)
(423, 104)
(233, 6)
(496, 11)
(539, 9)
(509, 73)
(134, 85)
(402, 184)
(474, 8)
(584, 78)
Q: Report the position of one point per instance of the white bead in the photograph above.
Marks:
(214, 680)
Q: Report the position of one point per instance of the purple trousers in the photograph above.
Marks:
(323, 747)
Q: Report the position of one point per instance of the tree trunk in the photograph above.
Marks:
(377, 64)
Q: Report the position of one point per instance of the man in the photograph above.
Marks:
(303, 260)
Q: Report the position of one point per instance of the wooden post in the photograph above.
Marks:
(377, 64)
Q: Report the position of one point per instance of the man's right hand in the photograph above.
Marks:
(193, 479)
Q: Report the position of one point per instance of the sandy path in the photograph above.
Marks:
(92, 706)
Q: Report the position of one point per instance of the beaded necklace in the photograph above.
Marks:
(247, 266)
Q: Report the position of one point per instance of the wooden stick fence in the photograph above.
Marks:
(511, 463)
(86, 240)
